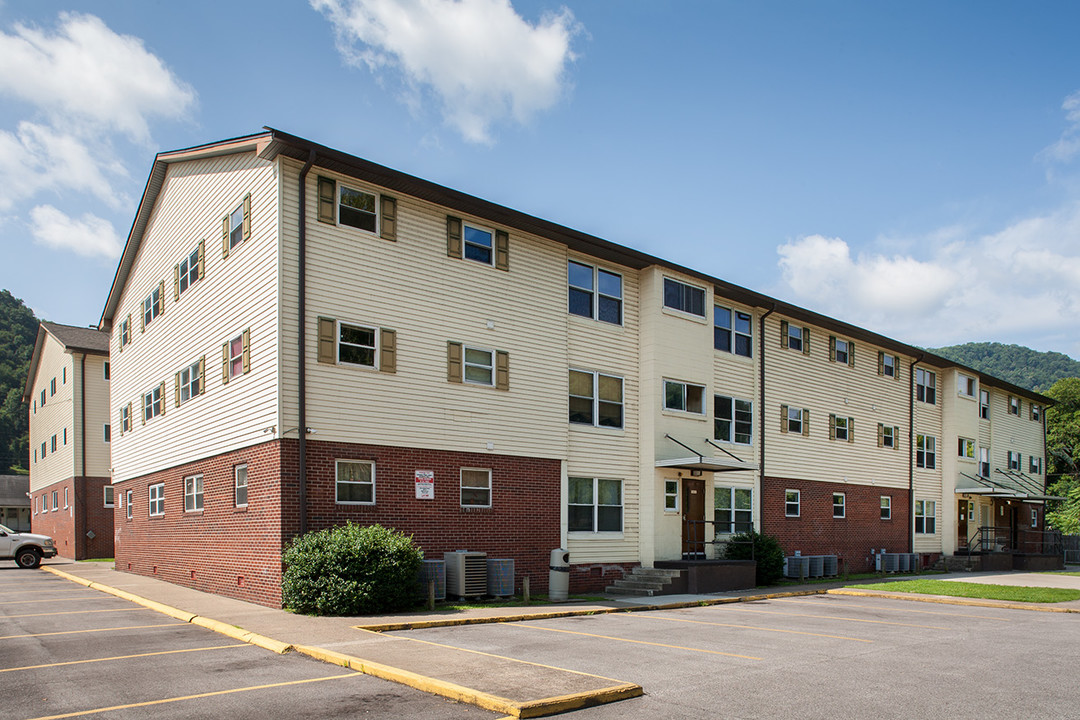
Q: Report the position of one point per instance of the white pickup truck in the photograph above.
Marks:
(26, 549)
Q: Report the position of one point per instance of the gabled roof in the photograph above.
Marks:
(90, 341)
(274, 143)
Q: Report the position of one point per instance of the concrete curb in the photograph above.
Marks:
(949, 600)
(232, 631)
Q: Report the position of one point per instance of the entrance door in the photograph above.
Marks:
(962, 525)
(693, 534)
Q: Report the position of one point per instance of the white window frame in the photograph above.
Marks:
(236, 359)
(671, 496)
(739, 519)
(926, 452)
(841, 429)
(1014, 405)
(55, 500)
(1036, 412)
(733, 421)
(596, 401)
(67, 501)
(926, 517)
(685, 396)
(1013, 460)
(193, 493)
(374, 347)
(338, 481)
(1035, 464)
(595, 505)
(155, 495)
(107, 433)
(125, 332)
(888, 365)
(238, 486)
(965, 448)
(105, 372)
(792, 503)
(984, 462)
(885, 505)
(795, 337)
(188, 272)
(841, 505)
(466, 226)
(888, 436)
(465, 365)
(125, 419)
(1034, 517)
(189, 388)
(594, 292)
(108, 496)
(794, 415)
(845, 350)
(151, 307)
(130, 510)
(926, 386)
(984, 404)
(236, 227)
(152, 409)
(683, 295)
(463, 488)
(966, 383)
(733, 333)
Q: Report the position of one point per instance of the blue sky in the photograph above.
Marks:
(913, 168)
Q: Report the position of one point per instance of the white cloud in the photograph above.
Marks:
(1021, 285)
(89, 236)
(85, 72)
(1068, 145)
(482, 60)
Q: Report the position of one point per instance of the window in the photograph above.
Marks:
(1034, 518)
(596, 399)
(193, 493)
(189, 270)
(841, 428)
(110, 496)
(240, 486)
(125, 419)
(52, 444)
(886, 507)
(984, 404)
(355, 482)
(474, 365)
(594, 505)
(108, 432)
(685, 397)
(794, 420)
(1014, 406)
(925, 517)
(839, 506)
(156, 495)
(1036, 412)
(151, 307)
(356, 345)
(887, 435)
(733, 510)
(734, 420)
(1014, 460)
(475, 487)
(887, 364)
(55, 500)
(128, 496)
(52, 387)
(794, 338)
(841, 351)
(479, 366)
(1035, 465)
(732, 331)
(65, 436)
(44, 447)
(125, 331)
(671, 496)
(926, 451)
(237, 224)
(66, 503)
(966, 386)
(236, 356)
(684, 298)
(189, 382)
(984, 462)
(966, 448)
(594, 293)
(925, 386)
(106, 371)
(152, 404)
(478, 244)
(42, 397)
(791, 503)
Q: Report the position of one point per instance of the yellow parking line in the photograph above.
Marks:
(49, 600)
(745, 627)
(197, 696)
(73, 612)
(637, 642)
(878, 607)
(832, 617)
(94, 630)
(123, 657)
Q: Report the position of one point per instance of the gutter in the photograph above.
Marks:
(81, 536)
(761, 413)
(911, 454)
(302, 310)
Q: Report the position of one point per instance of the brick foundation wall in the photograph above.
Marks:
(67, 526)
(595, 577)
(817, 532)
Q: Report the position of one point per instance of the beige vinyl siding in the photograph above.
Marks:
(96, 391)
(928, 484)
(235, 294)
(429, 299)
(1011, 432)
(51, 419)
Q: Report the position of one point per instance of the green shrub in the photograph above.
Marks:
(765, 549)
(351, 570)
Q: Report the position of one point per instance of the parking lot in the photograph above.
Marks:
(70, 651)
(814, 657)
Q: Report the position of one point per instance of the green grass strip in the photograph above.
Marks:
(1011, 593)
(1062, 572)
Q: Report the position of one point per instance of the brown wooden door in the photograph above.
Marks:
(693, 536)
(962, 524)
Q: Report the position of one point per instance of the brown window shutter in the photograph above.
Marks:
(202, 261)
(832, 426)
(247, 350)
(881, 435)
(851, 430)
(453, 237)
(783, 333)
(896, 437)
(502, 250)
(388, 351)
(880, 362)
(832, 348)
(131, 425)
(805, 422)
(161, 297)
(129, 330)
(896, 364)
(327, 201)
(202, 374)
(247, 216)
(453, 362)
(225, 237)
(1031, 411)
(176, 390)
(388, 221)
(327, 344)
(176, 282)
(142, 409)
(225, 364)
(161, 397)
(806, 341)
(850, 354)
(502, 370)
(783, 418)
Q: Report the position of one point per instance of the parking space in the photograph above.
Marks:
(70, 651)
(819, 656)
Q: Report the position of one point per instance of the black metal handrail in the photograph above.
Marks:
(1005, 539)
(695, 533)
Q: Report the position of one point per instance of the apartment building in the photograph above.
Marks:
(300, 338)
(67, 391)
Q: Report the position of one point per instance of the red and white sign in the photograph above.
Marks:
(425, 484)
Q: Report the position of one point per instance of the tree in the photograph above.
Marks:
(1063, 450)
(18, 332)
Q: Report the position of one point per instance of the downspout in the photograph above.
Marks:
(81, 537)
(761, 413)
(302, 310)
(911, 455)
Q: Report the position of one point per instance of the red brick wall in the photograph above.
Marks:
(817, 532)
(59, 525)
(595, 577)
(236, 552)
(67, 526)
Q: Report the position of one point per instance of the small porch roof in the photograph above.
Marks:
(712, 462)
(1005, 484)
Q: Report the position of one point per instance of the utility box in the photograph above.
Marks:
(466, 573)
(433, 570)
(500, 577)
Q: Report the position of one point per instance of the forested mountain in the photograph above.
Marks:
(1017, 364)
(18, 331)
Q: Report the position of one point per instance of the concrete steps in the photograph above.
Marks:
(644, 582)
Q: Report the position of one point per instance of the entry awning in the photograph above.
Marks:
(710, 462)
(1004, 484)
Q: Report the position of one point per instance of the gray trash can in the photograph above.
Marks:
(559, 578)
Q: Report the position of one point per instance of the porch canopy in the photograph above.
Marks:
(700, 461)
(1004, 484)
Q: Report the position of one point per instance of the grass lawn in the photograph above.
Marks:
(1010, 593)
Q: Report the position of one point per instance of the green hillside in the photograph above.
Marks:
(18, 331)
(1014, 363)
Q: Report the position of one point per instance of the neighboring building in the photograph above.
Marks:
(67, 391)
(15, 502)
(402, 353)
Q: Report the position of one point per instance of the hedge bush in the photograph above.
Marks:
(765, 549)
(351, 570)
